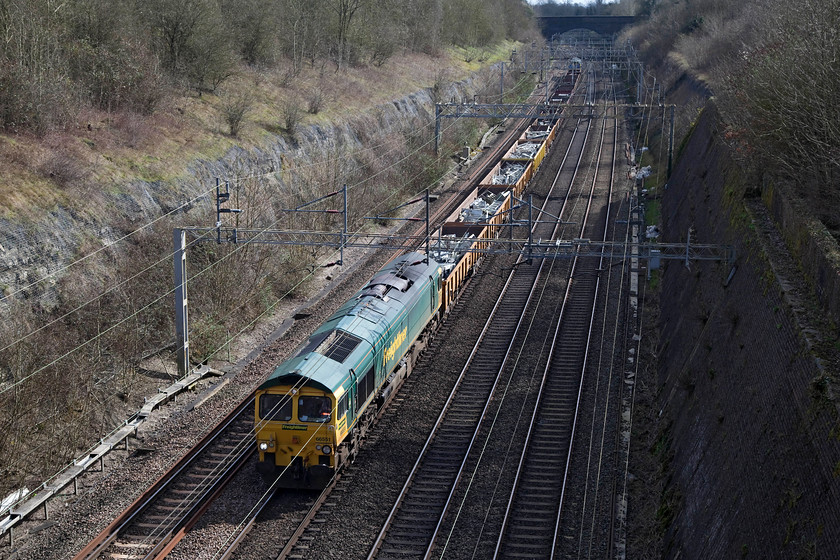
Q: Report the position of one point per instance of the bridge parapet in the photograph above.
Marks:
(604, 25)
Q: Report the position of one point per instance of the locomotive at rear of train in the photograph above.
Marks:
(315, 408)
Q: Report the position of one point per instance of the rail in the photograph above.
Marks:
(430, 486)
(532, 517)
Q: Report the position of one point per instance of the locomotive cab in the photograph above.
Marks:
(295, 431)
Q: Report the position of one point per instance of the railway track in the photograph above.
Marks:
(531, 522)
(589, 524)
(488, 160)
(413, 521)
(154, 524)
(427, 530)
(313, 547)
(413, 524)
(446, 209)
(305, 532)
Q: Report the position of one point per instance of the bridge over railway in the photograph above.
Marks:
(604, 25)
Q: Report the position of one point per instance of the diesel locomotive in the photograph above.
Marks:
(312, 412)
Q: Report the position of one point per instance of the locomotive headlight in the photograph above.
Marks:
(263, 445)
(326, 450)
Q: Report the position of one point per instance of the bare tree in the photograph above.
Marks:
(784, 112)
(291, 115)
(344, 10)
(302, 34)
(441, 86)
(175, 24)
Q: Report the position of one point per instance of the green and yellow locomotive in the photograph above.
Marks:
(313, 410)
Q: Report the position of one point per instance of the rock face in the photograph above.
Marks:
(753, 451)
(31, 251)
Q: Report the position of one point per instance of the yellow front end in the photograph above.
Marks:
(296, 436)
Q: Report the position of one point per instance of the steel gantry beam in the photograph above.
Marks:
(670, 251)
(497, 110)
(243, 236)
(505, 243)
(539, 249)
(522, 110)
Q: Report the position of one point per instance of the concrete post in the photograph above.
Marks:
(344, 232)
(530, 228)
(428, 252)
(179, 258)
(671, 144)
(502, 85)
(542, 63)
(640, 88)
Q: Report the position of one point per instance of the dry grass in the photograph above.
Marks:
(108, 149)
(25, 193)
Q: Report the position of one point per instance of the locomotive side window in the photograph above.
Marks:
(275, 407)
(314, 409)
(341, 409)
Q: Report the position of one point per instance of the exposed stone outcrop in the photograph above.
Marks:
(31, 251)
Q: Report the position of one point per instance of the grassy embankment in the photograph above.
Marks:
(105, 150)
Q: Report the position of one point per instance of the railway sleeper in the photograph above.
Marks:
(137, 544)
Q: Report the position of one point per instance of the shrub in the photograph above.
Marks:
(762, 95)
(291, 116)
(316, 100)
(63, 167)
(34, 99)
(234, 109)
(440, 87)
